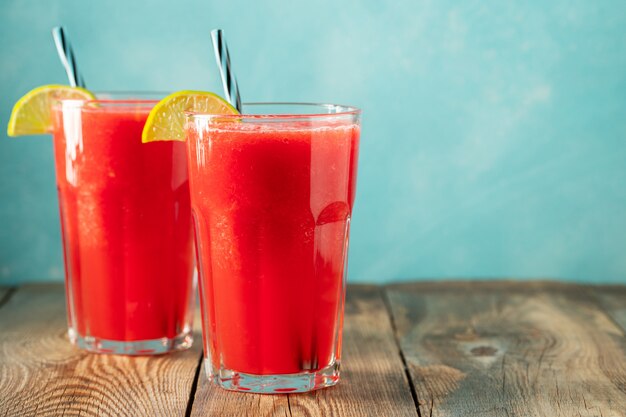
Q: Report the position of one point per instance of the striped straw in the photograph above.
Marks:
(226, 72)
(66, 54)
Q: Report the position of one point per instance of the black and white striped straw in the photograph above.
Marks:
(66, 54)
(231, 89)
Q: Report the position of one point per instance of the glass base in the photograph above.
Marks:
(136, 348)
(273, 384)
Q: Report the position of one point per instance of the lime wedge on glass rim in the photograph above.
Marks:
(166, 120)
(32, 114)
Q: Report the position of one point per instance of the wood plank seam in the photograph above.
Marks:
(194, 386)
(407, 373)
(289, 405)
(7, 296)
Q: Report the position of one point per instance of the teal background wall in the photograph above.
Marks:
(494, 134)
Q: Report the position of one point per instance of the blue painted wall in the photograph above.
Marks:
(494, 135)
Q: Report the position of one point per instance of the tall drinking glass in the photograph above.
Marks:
(126, 225)
(272, 192)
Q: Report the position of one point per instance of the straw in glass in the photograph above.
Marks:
(229, 82)
(66, 55)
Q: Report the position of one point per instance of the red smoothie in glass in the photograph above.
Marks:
(126, 224)
(272, 205)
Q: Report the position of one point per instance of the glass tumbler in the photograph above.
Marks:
(126, 227)
(272, 192)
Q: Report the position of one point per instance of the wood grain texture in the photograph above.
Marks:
(373, 381)
(472, 349)
(42, 374)
(510, 349)
(613, 300)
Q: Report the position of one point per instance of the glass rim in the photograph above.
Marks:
(343, 111)
(118, 98)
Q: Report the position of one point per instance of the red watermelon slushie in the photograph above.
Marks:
(126, 225)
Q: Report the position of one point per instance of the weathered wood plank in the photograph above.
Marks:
(509, 349)
(373, 377)
(42, 374)
(613, 300)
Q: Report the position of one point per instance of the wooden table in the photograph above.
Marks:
(419, 349)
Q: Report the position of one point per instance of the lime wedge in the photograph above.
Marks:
(166, 120)
(32, 114)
